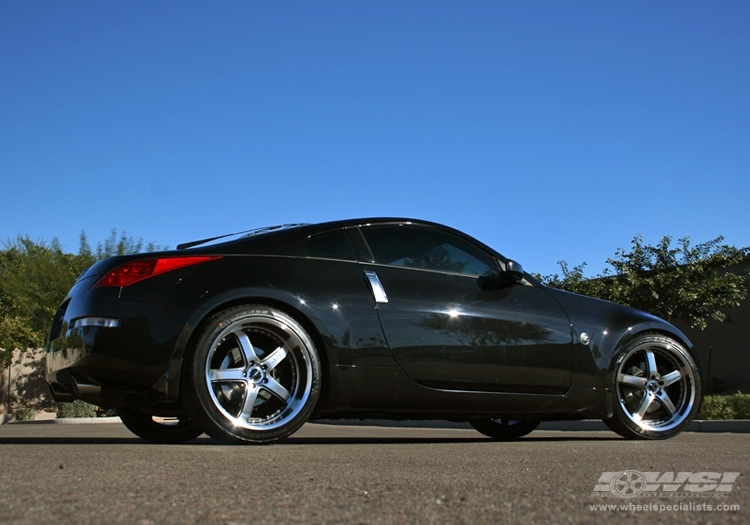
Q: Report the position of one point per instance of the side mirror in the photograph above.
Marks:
(514, 270)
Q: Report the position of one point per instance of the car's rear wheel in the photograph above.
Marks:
(504, 429)
(253, 376)
(657, 389)
(158, 430)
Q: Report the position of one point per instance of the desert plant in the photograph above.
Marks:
(25, 414)
(77, 408)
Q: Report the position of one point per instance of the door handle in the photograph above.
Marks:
(378, 291)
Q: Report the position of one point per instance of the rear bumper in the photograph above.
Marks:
(111, 364)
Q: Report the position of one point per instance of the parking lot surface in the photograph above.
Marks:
(101, 473)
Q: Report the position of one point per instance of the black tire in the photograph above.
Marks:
(505, 429)
(252, 376)
(657, 388)
(165, 431)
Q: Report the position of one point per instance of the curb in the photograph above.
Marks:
(69, 421)
(738, 426)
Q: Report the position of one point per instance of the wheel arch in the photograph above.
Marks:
(312, 325)
(641, 329)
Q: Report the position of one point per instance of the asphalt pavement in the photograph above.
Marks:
(102, 474)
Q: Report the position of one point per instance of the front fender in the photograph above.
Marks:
(600, 330)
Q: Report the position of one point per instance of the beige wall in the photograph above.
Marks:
(28, 388)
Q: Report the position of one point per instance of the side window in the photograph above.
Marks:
(330, 245)
(425, 248)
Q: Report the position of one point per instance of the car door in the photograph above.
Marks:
(453, 320)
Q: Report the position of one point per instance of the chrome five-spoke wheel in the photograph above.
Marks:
(254, 376)
(657, 388)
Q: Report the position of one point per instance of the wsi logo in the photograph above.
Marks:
(632, 483)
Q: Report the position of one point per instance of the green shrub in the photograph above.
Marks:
(736, 406)
(715, 407)
(25, 414)
(741, 405)
(77, 408)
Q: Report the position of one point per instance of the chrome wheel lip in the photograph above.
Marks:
(297, 351)
(651, 389)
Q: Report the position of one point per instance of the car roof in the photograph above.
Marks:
(305, 228)
(287, 239)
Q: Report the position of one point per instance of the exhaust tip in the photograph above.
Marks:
(85, 391)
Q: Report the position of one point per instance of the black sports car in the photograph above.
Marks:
(247, 337)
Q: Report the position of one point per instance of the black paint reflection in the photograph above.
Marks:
(486, 354)
(483, 332)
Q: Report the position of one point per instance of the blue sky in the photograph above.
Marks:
(549, 130)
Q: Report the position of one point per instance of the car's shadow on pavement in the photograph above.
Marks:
(421, 441)
(360, 440)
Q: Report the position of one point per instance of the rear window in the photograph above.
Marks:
(330, 245)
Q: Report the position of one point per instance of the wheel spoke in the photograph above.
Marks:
(277, 389)
(671, 378)
(226, 374)
(248, 351)
(650, 363)
(643, 407)
(251, 394)
(275, 358)
(627, 379)
(664, 400)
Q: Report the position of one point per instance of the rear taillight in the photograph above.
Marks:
(135, 271)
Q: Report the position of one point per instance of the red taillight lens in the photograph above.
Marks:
(135, 271)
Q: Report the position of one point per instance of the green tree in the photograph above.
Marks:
(684, 282)
(573, 280)
(115, 244)
(14, 330)
(35, 277)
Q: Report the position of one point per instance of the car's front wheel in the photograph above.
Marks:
(657, 389)
(504, 429)
(253, 376)
(158, 430)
